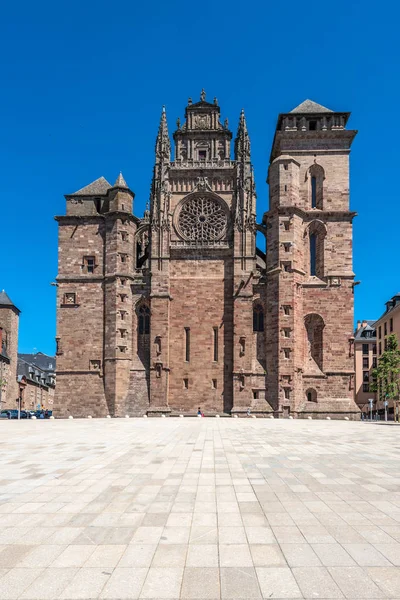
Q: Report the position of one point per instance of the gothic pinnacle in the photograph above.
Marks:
(242, 141)
(163, 146)
(242, 121)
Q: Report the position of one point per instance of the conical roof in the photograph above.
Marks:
(309, 106)
(120, 182)
(5, 300)
(100, 186)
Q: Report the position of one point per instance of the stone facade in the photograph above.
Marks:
(387, 324)
(365, 360)
(179, 309)
(37, 380)
(9, 321)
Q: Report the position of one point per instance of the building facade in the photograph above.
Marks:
(179, 309)
(37, 380)
(387, 324)
(9, 321)
(365, 360)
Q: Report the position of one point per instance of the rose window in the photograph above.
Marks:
(202, 219)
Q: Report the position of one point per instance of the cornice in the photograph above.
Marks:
(315, 213)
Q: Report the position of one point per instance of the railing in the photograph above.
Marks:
(202, 164)
(200, 244)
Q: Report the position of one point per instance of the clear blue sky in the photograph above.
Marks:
(82, 88)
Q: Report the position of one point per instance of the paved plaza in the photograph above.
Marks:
(199, 509)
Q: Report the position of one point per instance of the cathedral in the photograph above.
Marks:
(180, 310)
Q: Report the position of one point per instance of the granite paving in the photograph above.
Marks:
(199, 509)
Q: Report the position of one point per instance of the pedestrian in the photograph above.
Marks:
(199, 412)
(248, 412)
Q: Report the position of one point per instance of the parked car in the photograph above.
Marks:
(12, 413)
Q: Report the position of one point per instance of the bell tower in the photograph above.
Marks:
(309, 265)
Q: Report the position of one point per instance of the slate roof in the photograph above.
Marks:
(33, 372)
(309, 106)
(395, 303)
(5, 300)
(358, 335)
(98, 187)
(40, 360)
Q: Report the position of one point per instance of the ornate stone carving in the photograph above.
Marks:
(334, 281)
(202, 122)
(202, 218)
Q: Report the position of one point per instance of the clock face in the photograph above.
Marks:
(202, 219)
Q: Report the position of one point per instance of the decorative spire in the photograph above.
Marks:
(163, 144)
(242, 141)
(146, 217)
(120, 182)
(203, 95)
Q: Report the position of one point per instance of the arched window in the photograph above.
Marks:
(313, 254)
(317, 176)
(143, 319)
(314, 235)
(258, 318)
(313, 192)
(311, 395)
(314, 327)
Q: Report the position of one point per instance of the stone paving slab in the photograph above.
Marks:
(199, 509)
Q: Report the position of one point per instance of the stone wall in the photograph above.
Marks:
(299, 364)
(9, 321)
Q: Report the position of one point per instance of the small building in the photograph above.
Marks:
(9, 320)
(36, 380)
(365, 359)
(387, 324)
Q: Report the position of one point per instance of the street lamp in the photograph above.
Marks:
(371, 403)
(19, 405)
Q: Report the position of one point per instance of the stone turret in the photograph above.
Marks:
(9, 321)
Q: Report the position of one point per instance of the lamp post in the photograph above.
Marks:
(371, 403)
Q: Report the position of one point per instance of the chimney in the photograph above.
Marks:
(364, 323)
(358, 325)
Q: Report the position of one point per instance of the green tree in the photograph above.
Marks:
(385, 378)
